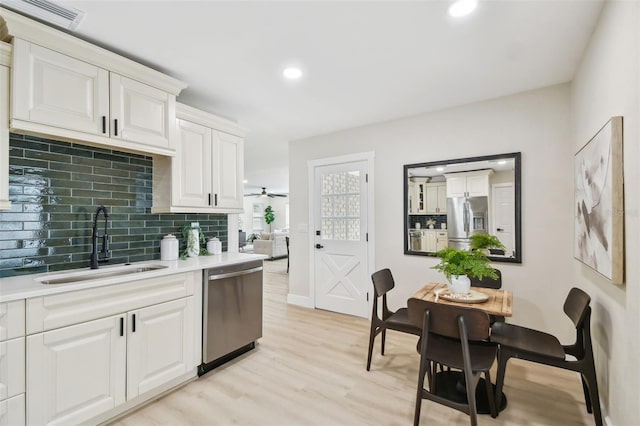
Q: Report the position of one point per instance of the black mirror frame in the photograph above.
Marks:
(517, 201)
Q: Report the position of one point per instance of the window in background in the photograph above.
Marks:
(257, 217)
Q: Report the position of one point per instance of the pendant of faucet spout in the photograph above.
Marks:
(94, 237)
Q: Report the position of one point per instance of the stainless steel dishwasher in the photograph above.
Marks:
(232, 312)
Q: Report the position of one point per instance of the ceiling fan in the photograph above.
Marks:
(264, 193)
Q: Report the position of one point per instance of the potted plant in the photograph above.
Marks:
(458, 265)
(269, 216)
(485, 242)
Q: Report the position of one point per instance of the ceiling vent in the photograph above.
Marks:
(47, 11)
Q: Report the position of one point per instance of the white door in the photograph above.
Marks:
(191, 171)
(341, 261)
(503, 208)
(77, 372)
(160, 342)
(228, 163)
(141, 113)
(58, 90)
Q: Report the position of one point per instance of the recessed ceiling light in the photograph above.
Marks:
(502, 162)
(292, 73)
(440, 169)
(245, 181)
(462, 8)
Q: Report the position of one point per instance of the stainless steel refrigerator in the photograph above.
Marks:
(466, 216)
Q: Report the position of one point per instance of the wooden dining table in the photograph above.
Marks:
(499, 302)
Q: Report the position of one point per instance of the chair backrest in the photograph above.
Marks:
(443, 319)
(487, 282)
(382, 282)
(576, 306)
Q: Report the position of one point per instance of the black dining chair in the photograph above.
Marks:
(399, 320)
(456, 337)
(488, 282)
(286, 239)
(543, 348)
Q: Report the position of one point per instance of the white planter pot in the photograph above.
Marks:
(459, 284)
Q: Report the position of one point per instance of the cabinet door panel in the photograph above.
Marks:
(161, 347)
(75, 373)
(456, 186)
(12, 411)
(478, 186)
(11, 319)
(55, 89)
(11, 368)
(141, 113)
(442, 198)
(431, 198)
(228, 161)
(192, 166)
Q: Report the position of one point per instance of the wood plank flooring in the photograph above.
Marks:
(309, 369)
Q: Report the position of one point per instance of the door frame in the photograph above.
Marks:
(369, 158)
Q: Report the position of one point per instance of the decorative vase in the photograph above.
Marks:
(459, 284)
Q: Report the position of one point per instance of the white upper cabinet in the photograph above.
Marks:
(206, 175)
(228, 171)
(436, 198)
(5, 60)
(72, 98)
(57, 90)
(468, 184)
(141, 113)
(67, 95)
(192, 166)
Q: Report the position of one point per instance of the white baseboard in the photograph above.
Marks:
(304, 301)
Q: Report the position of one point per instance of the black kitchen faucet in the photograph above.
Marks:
(105, 254)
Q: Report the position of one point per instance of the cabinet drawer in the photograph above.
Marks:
(12, 411)
(11, 319)
(49, 312)
(11, 368)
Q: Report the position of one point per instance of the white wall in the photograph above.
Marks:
(535, 123)
(608, 84)
(277, 203)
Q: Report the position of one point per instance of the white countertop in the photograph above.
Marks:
(27, 286)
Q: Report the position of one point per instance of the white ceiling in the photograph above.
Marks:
(364, 61)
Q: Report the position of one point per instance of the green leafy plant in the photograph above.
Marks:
(472, 263)
(485, 241)
(185, 233)
(269, 215)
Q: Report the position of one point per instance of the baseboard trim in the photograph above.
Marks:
(295, 299)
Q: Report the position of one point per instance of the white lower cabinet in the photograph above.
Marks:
(12, 411)
(95, 353)
(77, 372)
(160, 345)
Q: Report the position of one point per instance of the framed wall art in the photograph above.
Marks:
(599, 202)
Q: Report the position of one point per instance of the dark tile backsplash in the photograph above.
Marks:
(55, 188)
(422, 219)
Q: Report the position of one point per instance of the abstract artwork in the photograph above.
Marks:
(599, 209)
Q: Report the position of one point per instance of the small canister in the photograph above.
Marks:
(169, 247)
(214, 246)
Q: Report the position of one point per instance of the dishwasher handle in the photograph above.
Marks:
(234, 274)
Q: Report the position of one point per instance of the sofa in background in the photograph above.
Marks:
(272, 244)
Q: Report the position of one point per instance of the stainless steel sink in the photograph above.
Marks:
(97, 274)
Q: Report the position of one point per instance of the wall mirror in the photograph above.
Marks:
(445, 202)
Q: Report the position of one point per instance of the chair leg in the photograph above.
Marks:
(384, 337)
(592, 383)
(490, 396)
(587, 398)
(503, 357)
(424, 366)
(471, 381)
(372, 337)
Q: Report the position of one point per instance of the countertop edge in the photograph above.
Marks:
(26, 287)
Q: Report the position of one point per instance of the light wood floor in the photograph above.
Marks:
(309, 369)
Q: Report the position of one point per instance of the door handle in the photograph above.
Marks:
(115, 127)
(499, 229)
(319, 246)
